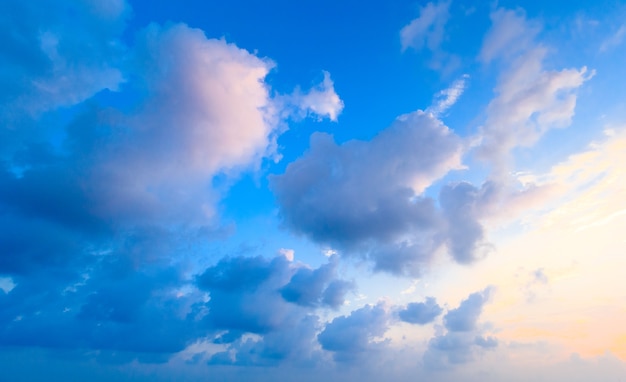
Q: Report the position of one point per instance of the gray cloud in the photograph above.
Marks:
(420, 312)
(465, 317)
(464, 337)
(350, 337)
(462, 205)
(314, 287)
(101, 208)
(295, 342)
(364, 197)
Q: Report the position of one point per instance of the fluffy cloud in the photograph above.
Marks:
(98, 210)
(463, 206)
(257, 295)
(321, 100)
(420, 312)
(273, 299)
(312, 287)
(114, 308)
(365, 196)
(351, 337)
(464, 337)
(465, 317)
(208, 111)
(295, 343)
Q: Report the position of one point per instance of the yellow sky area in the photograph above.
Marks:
(562, 279)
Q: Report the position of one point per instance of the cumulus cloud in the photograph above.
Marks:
(462, 205)
(257, 295)
(465, 317)
(295, 343)
(115, 308)
(354, 336)
(464, 337)
(273, 299)
(321, 101)
(96, 222)
(121, 176)
(427, 30)
(208, 111)
(365, 196)
(420, 312)
(313, 287)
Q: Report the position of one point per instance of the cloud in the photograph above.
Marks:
(103, 211)
(510, 34)
(114, 308)
(295, 343)
(6, 284)
(464, 338)
(427, 30)
(364, 197)
(529, 100)
(420, 313)
(615, 40)
(465, 317)
(208, 112)
(273, 299)
(244, 294)
(351, 337)
(314, 287)
(463, 206)
(321, 100)
(46, 64)
(448, 97)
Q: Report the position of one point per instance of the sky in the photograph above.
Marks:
(312, 190)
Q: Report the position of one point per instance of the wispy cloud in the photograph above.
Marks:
(615, 40)
(446, 98)
(427, 30)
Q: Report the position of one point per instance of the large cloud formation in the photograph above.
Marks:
(351, 337)
(366, 198)
(107, 157)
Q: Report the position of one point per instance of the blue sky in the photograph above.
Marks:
(312, 190)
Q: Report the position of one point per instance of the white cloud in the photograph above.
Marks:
(7, 284)
(446, 98)
(208, 111)
(321, 100)
(510, 33)
(427, 29)
(529, 99)
(287, 253)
